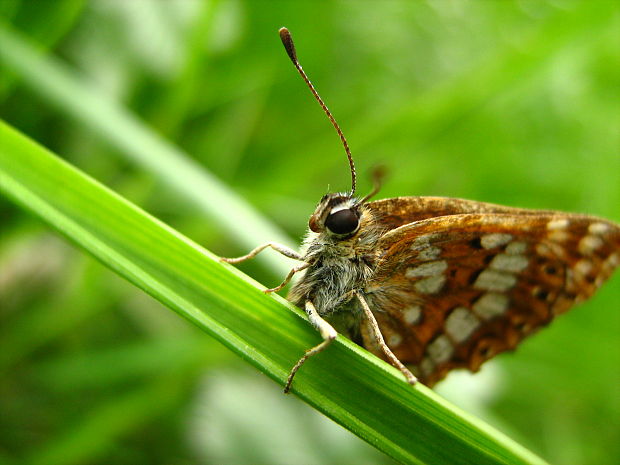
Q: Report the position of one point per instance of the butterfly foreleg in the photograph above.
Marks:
(376, 332)
(328, 333)
(284, 250)
(289, 276)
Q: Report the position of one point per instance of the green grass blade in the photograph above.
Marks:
(347, 384)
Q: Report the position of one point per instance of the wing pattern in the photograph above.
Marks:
(452, 291)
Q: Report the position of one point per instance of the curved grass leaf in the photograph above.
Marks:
(347, 384)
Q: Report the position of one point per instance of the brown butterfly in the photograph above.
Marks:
(439, 283)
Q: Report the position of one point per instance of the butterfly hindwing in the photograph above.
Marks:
(453, 291)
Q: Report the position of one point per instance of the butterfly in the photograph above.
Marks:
(431, 284)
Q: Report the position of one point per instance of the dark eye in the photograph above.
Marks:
(342, 222)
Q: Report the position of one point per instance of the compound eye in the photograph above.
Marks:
(342, 222)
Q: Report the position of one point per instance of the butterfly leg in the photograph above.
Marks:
(284, 250)
(328, 333)
(289, 276)
(376, 332)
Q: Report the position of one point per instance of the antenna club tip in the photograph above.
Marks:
(287, 41)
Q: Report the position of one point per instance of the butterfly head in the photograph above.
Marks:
(337, 215)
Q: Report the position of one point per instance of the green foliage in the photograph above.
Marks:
(506, 102)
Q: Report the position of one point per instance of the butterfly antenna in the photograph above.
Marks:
(378, 174)
(287, 41)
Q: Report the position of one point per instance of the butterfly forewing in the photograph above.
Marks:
(398, 211)
(455, 290)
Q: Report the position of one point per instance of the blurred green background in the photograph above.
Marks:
(511, 102)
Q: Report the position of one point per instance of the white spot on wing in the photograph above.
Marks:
(394, 340)
(583, 267)
(422, 242)
(493, 280)
(490, 305)
(598, 228)
(505, 262)
(609, 265)
(550, 249)
(460, 324)
(560, 223)
(516, 247)
(588, 244)
(490, 241)
(430, 285)
(427, 269)
(429, 253)
(440, 350)
(412, 314)
(558, 235)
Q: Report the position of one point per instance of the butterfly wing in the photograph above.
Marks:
(453, 291)
(399, 211)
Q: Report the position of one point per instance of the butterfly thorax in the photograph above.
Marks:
(339, 264)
